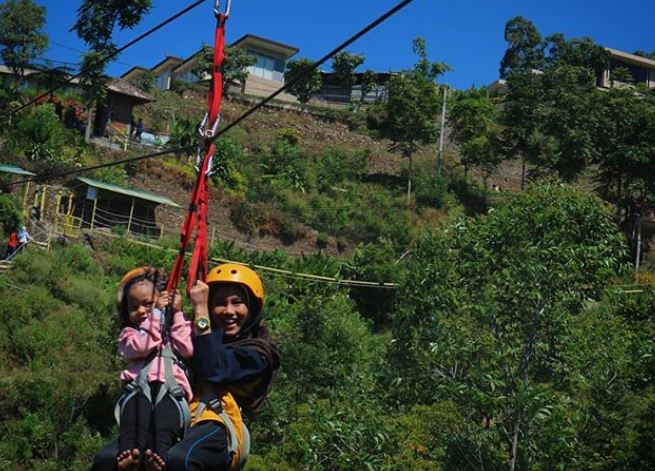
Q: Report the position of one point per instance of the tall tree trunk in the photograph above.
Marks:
(89, 125)
(515, 446)
(409, 180)
(523, 168)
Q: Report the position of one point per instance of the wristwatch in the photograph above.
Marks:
(202, 323)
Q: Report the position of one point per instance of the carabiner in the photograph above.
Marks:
(217, 8)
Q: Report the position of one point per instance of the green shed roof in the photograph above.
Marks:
(13, 169)
(144, 195)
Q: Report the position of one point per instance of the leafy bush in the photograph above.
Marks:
(337, 164)
(39, 135)
(431, 190)
(322, 240)
(286, 167)
(227, 159)
(11, 216)
(374, 262)
(57, 356)
(116, 175)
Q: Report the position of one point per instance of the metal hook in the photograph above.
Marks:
(217, 8)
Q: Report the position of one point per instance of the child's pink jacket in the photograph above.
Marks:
(135, 344)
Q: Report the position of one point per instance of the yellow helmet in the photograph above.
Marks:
(235, 273)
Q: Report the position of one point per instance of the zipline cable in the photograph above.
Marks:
(275, 271)
(104, 59)
(237, 120)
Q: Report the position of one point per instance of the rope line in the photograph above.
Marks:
(278, 271)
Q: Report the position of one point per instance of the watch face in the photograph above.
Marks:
(202, 323)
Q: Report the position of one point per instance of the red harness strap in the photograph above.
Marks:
(197, 213)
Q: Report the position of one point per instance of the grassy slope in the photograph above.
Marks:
(172, 178)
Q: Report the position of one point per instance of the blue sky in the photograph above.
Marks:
(467, 34)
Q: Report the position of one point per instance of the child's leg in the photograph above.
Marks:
(165, 426)
(135, 421)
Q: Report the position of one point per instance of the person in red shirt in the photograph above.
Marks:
(12, 244)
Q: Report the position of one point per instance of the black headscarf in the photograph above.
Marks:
(251, 396)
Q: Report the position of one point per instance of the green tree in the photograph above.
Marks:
(474, 122)
(235, 67)
(286, 167)
(521, 134)
(569, 115)
(411, 109)
(578, 52)
(59, 361)
(489, 317)
(344, 65)
(184, 133)
(621, 74)
(21, 40)
(626, 156)
(524, 52)
(309, 81)
(39, 135)
(550, 115)
(95, 26)
(227, 158)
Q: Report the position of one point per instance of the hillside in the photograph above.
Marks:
(173, 178)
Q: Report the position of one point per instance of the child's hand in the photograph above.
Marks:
(177, 301)
(162, 300)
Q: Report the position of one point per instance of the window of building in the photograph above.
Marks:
(268, 67)
(163, 81)
(188, 77)
(638, 74)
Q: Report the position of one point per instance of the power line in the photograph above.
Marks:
(79, 51)
(316, 64)
(114, 53)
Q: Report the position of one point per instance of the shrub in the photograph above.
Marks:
(39, 135)
(225, 167)
(337, 164)
(431, 190)
(11, 216)
(116, 175)
(285, 166)
(289, 135)
(247, 217)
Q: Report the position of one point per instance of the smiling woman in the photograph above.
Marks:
(235, 360)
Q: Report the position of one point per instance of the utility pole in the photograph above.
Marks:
(441, 130)
(638, 255)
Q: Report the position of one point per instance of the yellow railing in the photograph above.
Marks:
(69, 226)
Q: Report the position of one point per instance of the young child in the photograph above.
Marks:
(145, 422)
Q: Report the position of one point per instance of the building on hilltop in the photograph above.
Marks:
(333, 91)
(640, 71)
(264, 77)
